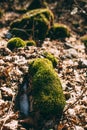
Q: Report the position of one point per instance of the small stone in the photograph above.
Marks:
(8, 35)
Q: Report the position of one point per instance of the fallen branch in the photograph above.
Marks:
(82, 10)
(8, 113)
(85, 89)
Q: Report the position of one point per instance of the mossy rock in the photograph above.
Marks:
(35, 23)
(15, 43)
(35, 65)
(46, 87)
(84, 40)
(59, 31)
(19, 33)
(30, 43)
(51, 57)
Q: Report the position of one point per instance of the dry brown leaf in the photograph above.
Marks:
(11, 125)
(60, 126)
(7, 92)
(7, 70)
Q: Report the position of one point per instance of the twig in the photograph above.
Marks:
(8, 112)
(85, 89)
(83, 11)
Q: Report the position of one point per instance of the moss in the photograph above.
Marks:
(46, 88)
(84, 40)
(51, 57)
(30, 43)
(41, 27)
(35, 65)
(15, 43)
(35, 22)
(59, 31)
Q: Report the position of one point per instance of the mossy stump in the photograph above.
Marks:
(47, 91)
(34, 23)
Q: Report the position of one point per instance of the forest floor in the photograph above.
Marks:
(72, 69)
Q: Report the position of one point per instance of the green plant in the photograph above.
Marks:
(15, 43)
(59, 31)
(46, 87)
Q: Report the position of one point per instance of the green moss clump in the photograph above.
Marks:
(59, 31)
(36, 23)
(15, 43)
(84, 40)
(51, 57)
(35, 65)
(30, 43)
(46, 87)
